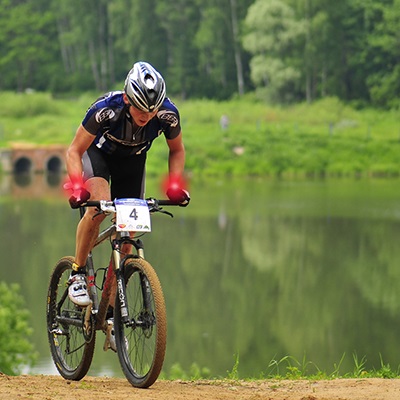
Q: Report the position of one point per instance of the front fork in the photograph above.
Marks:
(121, 292)
(119, 269)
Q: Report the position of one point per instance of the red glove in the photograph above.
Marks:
(176, 190)
(79, 194)
(179, 196)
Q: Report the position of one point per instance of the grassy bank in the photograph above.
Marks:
(290, 368)
(326, 138)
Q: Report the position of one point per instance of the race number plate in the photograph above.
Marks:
(132, 215)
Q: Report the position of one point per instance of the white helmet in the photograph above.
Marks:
(145, 87)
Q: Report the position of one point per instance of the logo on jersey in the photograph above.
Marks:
(168, 116)
(104, 114)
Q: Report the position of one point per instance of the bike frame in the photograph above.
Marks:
(113, 279)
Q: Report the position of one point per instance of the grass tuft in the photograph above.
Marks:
(288, 368)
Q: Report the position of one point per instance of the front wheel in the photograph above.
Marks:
(141, 341)
(71, 346)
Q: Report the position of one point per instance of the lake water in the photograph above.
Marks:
(253, 270)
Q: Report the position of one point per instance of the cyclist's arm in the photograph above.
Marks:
(81, 142)
(176, 159)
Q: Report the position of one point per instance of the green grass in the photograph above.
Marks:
(289, 368)
(326, 138)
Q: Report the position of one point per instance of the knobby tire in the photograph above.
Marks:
(141, 344)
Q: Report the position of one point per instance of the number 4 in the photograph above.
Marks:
(134, 214)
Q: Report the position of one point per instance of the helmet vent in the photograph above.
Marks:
(145, 87)
(149, 81)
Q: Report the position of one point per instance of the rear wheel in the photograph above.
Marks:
(71, 346)
(141, 342)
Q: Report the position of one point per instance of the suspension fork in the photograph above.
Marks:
(119, 275)
(146, 292)
(138, 244)
(144, 283)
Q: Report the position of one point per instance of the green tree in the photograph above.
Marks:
(288, 50)
(145, 39)
(25, 52)
(345, 33)
(213, 40)
(318, 43)
(384, 54)
(273, 36)
(15, 348)
(221, 55)
(179, 20)
(351, 49)
(86, 43)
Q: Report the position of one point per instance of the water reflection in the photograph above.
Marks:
(258, 269)
(31, 185)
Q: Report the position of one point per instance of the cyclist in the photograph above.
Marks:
(106, 159)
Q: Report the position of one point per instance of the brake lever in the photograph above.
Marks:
(166, 212)
(99, 212)
(159, 209)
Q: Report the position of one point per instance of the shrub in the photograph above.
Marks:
(16, 350)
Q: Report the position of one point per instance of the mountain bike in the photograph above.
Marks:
(131, 309)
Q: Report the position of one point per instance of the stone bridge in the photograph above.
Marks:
(27, 159)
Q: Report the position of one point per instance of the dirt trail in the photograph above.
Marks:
(40, 387)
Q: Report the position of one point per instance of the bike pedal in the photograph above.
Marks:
(57, 331)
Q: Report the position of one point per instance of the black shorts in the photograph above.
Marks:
(126, 174)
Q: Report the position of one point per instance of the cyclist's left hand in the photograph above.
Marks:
(175, 188)
(178, 195)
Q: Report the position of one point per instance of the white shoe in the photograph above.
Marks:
(77, 291)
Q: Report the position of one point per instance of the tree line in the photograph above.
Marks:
(284, 50)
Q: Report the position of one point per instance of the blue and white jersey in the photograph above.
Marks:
(109, 120)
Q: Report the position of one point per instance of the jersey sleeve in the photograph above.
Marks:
(169, 119)
(96, 118)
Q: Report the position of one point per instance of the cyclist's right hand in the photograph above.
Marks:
(76, 200)
(79, 195)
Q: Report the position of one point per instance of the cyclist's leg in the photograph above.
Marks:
(88, 227)
(97, 175)
(86, 233)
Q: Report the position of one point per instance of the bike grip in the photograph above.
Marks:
(91, 203)
(167, 203)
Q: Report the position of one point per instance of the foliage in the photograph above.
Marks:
(272, 32)
(195, 372)
(324, 138)
(27, 56)
(289, 367)
(16, 350)
(287, 50)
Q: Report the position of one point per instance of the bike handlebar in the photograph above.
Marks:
(152, 203)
